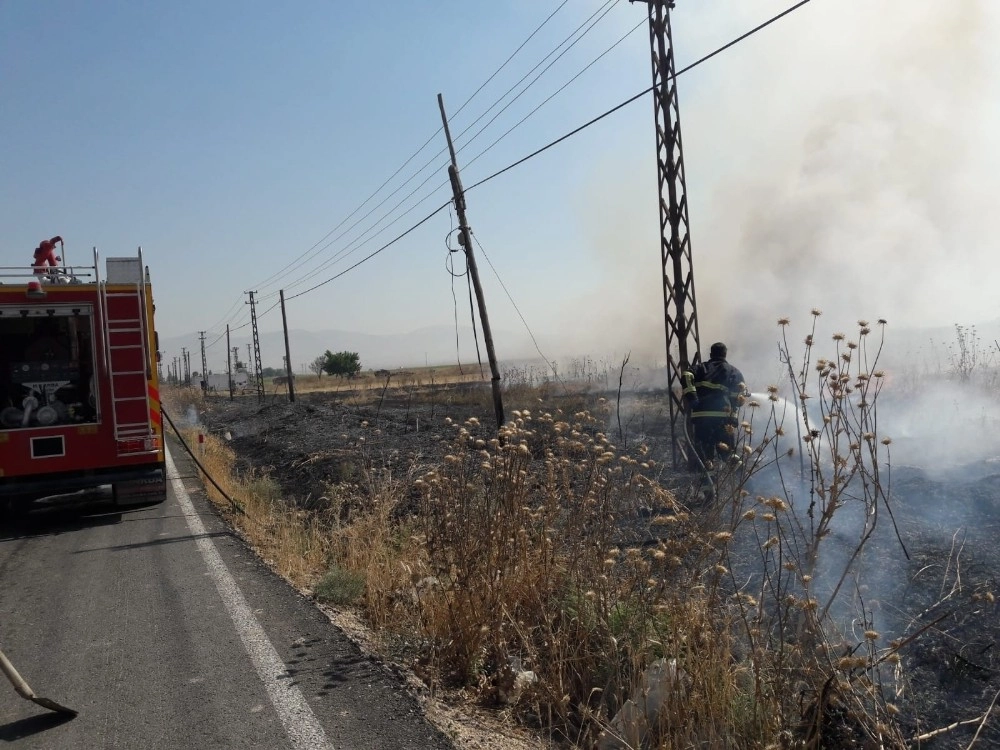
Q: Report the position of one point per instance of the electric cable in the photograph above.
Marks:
(546, 147)
(638, 96)
(554, 94)
(390, 243)
(475, 332)
(231, 311)
(301, 260)
(346, 251)
(215, 341)
(607, 7)
(516, 308)
(535, 80)
(449, 265)
(504, 65)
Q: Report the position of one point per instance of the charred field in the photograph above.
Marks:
(923, 581)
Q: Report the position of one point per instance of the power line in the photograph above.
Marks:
(512, 302)
(606, 8)
(608, 5)
(302, 259)
(534, 80)
(638, 96)
(530, 37)
(347, 250)
(555, 93)
(533, 154)
(372, 255)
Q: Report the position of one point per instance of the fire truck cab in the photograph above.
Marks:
(79, 388)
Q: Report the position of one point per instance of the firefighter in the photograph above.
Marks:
(713, 392)
(45, 255)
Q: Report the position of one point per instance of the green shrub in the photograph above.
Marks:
(340, 586)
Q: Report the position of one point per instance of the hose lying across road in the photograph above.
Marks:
(235, 504)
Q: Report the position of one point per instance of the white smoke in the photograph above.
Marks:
(844, 159)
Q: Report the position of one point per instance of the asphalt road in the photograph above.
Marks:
(164, 631)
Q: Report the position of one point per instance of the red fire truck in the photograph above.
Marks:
(79, 392)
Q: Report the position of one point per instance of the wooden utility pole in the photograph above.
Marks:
(465, 239)
(288, 353)
(229, 363)
(204, 363)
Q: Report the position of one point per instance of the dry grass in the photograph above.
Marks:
(546, 550)
(398, 378)
(294, 542)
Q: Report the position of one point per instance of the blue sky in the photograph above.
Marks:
(228, 137)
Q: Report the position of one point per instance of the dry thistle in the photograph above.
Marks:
(816, 312)
(776, 503)
(871, 635)
(783, 321)
(838, 337)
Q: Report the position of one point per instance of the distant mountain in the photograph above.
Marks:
(434, 345)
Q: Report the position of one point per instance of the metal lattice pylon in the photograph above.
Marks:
(680, 310)
(258, 370)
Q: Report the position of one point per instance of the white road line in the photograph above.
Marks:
(300, 723)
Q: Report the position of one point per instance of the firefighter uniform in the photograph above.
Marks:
(713, 391)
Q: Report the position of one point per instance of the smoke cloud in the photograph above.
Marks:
(844, 159)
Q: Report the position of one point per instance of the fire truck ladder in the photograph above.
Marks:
(127, 361)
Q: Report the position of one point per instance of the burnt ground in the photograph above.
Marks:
(948, 522)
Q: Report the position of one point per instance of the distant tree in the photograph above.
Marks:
(343, 364)
(270, 372)
(318, 365)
